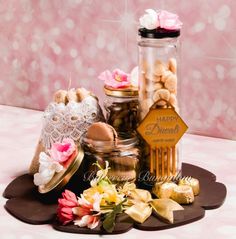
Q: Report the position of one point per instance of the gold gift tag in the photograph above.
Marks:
(162, 128)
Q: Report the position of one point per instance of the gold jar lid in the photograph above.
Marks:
(121, 92)
(60, 179)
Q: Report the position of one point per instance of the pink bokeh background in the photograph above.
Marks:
(43, 43)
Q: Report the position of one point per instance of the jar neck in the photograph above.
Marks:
(120, 99)
(158, 41)
(121, 93)
(120, 144)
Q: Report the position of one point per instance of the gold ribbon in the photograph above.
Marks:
(142, 205)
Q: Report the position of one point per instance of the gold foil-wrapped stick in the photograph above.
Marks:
(193, 182)
(183, 194)
(164, 189)
(164, 208)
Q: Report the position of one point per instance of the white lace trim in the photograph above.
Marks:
(69, 121)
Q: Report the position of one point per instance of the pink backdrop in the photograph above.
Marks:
(44, 42)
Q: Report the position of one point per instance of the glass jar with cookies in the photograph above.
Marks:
(158, 71)
(121, 102)
(122, 109)
(159, 57)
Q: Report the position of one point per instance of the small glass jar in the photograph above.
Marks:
(159, 82)
(122, 109)
(123, 156)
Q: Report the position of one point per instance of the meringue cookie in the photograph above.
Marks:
(154, 86)
(60, 96)
(173, 100)
(171, 83)
(152, 77)
(71, 95)
(172, 65)
(159, 68)
(163, 94)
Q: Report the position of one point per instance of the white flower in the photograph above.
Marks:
(47, 168)
(149, 20)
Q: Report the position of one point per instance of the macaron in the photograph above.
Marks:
(101, 131)
(124, 162)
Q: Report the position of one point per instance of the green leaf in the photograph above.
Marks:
(109, 222)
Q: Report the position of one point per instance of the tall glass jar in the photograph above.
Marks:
(159, 56)
(122, 109)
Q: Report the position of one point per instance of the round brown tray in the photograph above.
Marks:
(24, 203)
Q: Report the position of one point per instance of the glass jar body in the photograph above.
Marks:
(122, 113)
(123, 157)
(159, 87)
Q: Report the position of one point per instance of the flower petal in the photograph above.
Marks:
(94, 223)
(80, 211)
(83, 222)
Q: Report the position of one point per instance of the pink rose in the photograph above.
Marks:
(160, 19)
(61, 152)
(115, 79)
(65, 206)
(168, 20)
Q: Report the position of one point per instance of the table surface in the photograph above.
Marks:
(19, 132)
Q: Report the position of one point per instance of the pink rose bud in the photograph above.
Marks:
(61, 152)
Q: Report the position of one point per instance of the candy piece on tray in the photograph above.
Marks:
(100, 131)
(193, 182)
(68, 116)
(183, 194)
(164, 208)
(164, 189)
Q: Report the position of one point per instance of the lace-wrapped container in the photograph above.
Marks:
(123, 157)
(69, 120)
